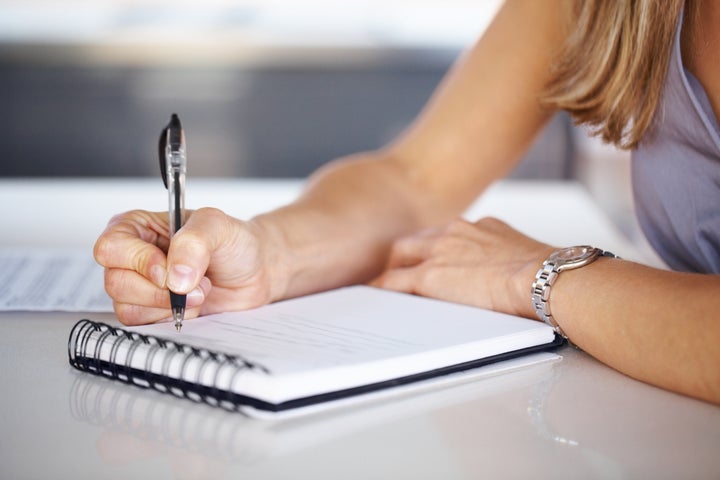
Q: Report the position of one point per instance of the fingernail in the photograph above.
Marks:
(195, 298)
(181, 278)
(157, 275)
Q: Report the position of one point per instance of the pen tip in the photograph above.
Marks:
(178, 314)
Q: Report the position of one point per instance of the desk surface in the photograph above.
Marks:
(571, 419)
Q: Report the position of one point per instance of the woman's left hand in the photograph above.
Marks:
(486, 264)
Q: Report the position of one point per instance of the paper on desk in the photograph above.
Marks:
(51, 280)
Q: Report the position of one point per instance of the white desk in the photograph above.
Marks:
(572, 419)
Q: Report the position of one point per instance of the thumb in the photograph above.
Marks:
(192, 247)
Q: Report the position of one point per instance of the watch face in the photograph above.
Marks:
(573, 253)
(573, 257)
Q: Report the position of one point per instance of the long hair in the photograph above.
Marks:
(611, 71)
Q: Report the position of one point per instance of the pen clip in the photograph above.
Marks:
(173, 133)
(161, 150)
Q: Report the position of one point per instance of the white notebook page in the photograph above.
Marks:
(346, 338)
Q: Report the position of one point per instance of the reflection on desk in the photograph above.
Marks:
(176, 424)
(519, 425)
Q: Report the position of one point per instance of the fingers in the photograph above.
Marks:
(428, 280)
(406, 269)
(405, 280)
(137, 300)
(130, 242)
(409, 251)
(132, 315)
(428, 244)
(433, 262)
(126, 286)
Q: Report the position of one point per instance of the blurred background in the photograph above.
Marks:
(270, 88)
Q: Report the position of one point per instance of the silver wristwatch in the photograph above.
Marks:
(560, 260)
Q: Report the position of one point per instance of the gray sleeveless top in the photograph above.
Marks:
(676, 175)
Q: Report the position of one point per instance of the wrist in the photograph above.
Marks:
(525, 277)
(561, 260)
(274, 260)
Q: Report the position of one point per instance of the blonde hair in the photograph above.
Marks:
(611, 70)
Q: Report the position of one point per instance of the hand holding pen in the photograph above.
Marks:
(217, 263)
(173, 167)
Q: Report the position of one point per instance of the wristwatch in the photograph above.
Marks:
(560, 260)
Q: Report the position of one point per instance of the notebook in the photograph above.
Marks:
(307, 353)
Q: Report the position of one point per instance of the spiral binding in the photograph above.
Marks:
(111, 352)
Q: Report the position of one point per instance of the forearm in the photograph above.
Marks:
(339, 230)
(657, 326)
(473, 130)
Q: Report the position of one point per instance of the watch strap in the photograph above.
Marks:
(544, 280)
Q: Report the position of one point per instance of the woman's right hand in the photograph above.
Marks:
(220, 262)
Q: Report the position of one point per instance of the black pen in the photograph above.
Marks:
(173, 166)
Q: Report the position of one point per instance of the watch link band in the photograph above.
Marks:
(560, 260)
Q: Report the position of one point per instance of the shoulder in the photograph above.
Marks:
(700, 44)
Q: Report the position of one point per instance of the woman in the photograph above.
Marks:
(615, 66)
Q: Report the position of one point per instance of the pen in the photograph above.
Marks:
(173, 166)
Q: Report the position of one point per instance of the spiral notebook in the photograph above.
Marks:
(307, 353)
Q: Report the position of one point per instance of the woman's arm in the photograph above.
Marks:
(657, 326)
(473, 130)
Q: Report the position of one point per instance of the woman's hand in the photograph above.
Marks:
(221, 263)
(487, 264)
